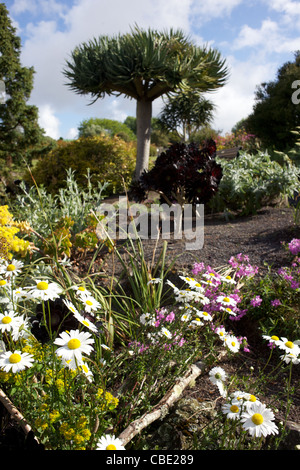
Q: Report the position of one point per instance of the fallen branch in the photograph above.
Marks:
(162, 408)
(14, 412)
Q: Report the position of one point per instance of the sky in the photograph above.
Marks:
(255, 37)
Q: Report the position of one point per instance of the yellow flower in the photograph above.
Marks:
(86, 433)
(54, 415)
(82, 422)
(41, 423)
(78, 439)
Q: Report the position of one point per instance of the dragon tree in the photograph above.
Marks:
(143, 65)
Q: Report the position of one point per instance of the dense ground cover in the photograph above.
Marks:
(96, 333)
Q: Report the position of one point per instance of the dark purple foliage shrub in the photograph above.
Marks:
(183, 174)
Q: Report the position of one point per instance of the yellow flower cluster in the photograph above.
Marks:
(32, 346)
(9, 242)
(60, 380)
(108, 401)
(47, 416)
(79, 433)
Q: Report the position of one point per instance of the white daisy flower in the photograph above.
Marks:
(197, 322)
(147, 319)
(232, 410)
(80, 367)
(272, 339)
(198, 287)
(227, 279)
(166, 332)
(258, 420)
(217, 374)
(227, 301)
(188, 296)
(90, 303)
(290, 357)
(205, 315)
(244, 398)
(73, 344)
(84, 369)
(20, 294)
(192, 283)
(109, 442)
(4, 283)
(86, 322)
(289, 346)
(228, 310)
(186, 317)
(9, 321)
(172, 285)
(239, 395)
(70, 306)
(43, 290)
(81, 290)
(232, 343)
(155, 280)
(83, 320)
(211, 278)
(12, 268)
(15, 361)
(221, 332)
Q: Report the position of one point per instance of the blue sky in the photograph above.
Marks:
(255, 37)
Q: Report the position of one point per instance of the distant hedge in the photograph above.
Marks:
(109, 159)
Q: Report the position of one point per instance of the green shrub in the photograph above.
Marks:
(109, 160)
(250, 182)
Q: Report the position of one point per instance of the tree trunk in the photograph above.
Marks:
(143, 123)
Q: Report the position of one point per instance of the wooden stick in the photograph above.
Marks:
(162, 408)
(14, 412)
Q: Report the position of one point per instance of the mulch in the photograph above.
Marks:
(260, 236)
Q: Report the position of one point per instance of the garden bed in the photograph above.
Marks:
(260, 237)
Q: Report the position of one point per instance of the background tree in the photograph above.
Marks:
(19, 129)
(185, 113)
(143, 65)
(96, 126)
(274, 114)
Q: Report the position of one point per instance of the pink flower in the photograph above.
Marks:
(170, 317)
(256, 301)
(294, 246)
(275, 303)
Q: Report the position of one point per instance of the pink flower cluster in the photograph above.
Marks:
(294, 246)
(291, 275)
(243, 268)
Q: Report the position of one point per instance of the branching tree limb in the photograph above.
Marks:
(164, 405)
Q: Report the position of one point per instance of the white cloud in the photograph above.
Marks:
(72, 133)
(56, 28)
(235, 100)
(21, 6)
(35, 7)
(270, 38)
(207, 10)
(48, 121)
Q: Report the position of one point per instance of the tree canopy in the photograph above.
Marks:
(143, 65)
(111, 127)
(185, 113)
(19, 129)
(274, 114)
